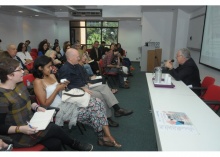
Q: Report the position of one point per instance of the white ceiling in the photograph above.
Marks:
(63, 12)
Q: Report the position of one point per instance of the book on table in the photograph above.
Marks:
(42, 119)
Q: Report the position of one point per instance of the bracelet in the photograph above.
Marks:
(17, 129)
(36, 108)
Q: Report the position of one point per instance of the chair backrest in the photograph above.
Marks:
(29, 77)
(213, 93)
(207, 81)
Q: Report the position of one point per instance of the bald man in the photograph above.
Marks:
(74, 72)
(187, 71)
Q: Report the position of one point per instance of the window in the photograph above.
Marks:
(87, 32)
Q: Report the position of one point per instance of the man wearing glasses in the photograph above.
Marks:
(187, 71)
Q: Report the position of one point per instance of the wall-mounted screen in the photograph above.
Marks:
(210, 52)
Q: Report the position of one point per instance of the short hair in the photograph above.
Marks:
(40, 61)
(28, 41)
(49, 52)
(7, 66)
(185, 52)
(103, 42)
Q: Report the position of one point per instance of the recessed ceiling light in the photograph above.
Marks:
(20, 11)
(60, 9)
(36, 15)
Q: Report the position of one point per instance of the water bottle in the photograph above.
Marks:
(158, 74)
(28, 83)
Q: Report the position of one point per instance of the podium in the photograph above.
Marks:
(153, 59)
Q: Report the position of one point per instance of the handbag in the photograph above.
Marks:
(77, 96)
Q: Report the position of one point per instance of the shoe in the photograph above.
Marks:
(82, 146)
(105, 141)
(132, 68)
(130, 74)
(112, 123)
(122, 112)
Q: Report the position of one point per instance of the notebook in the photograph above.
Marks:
(42, 119)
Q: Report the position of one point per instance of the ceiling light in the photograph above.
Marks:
(20, 11)
(36, 15)
(138, 19)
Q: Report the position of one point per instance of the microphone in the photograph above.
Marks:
(172, 60)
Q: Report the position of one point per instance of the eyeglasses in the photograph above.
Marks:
(20, 69)
(178, 56)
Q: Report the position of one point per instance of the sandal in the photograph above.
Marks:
(108, 142)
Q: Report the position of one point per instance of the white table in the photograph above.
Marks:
(182, 99)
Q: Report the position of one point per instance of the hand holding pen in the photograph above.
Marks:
(29, 129)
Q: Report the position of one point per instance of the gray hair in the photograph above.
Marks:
(185, 52)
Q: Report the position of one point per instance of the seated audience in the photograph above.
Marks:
(27, 43)
(95, 52)
(57, 49)
(187, 71)
(125, 60)
(74, 73)
(23, 54)
(47, 91)
(11, 53)
(62, 51)
(43, 47)
(102, 48)
(94, 65)
(52, 54)
(111, 66)
(66, 46)
(16, 109)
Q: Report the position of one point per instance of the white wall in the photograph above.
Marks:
(130, 38)
(157, 27)
(15, 29)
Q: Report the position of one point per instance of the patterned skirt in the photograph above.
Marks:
(94, 115)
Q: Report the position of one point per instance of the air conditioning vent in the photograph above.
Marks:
(87, 12)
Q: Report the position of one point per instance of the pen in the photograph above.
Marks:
(28, 123)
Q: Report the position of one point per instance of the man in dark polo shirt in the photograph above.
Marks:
(74, 73)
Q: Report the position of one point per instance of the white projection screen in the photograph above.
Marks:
(210, 52)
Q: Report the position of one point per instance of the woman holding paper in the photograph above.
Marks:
(16, 109)
(47, 90)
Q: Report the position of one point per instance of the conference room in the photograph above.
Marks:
(140, 28)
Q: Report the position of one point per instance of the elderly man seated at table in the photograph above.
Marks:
(187, 71)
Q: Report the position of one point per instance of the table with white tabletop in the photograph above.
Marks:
(181, 99)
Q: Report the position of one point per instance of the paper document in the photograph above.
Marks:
(95, 85)
(175, 122)
(42, 119)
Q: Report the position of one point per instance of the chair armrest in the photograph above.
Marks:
(201, 88)
(212, 102)
(6, 139)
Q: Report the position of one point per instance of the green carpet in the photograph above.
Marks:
(136, 131)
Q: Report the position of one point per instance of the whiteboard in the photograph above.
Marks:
(195, 32)
(210, 53)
